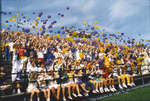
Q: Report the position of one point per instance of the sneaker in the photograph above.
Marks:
(124, 85)
(133, 84)
(93, 91)
(97, 91)
(108, 90)
(48, 99)
(70, 98)
(129, 84)
(105, 90)
(120, 86)
(114, 89)
(111, 89)
(38, 99)
(14, 91)
(74, 95)
(64, 99)
(79, 95)
(86, 94)
(18, 91)
(101, 90)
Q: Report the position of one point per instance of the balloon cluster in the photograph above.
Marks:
(45, 26)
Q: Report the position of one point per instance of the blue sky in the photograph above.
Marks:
(131, 17)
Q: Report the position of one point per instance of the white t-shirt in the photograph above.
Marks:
(30, 68)
(40, 54)
(77, 55)
(11, 44)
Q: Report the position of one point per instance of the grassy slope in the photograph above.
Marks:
(140, 94)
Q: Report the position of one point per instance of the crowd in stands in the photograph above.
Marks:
(56, 65)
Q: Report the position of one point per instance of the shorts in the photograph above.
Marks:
(78, 81)
(43, 87)
(31, 87)
(53, 85)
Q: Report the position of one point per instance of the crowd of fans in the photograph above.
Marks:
(73, 65)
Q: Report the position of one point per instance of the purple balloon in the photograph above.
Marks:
(48, 16)
(43, 26)
(59, 13)
(6, 21)
(62, 15)
(27, 30)
(67, 8)
(40, 14)
(9, 12)
(33, 13)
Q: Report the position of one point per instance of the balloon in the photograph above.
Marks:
(58, 35)
(17, 15)
(14, 20)
(40, 14)
(10, 19)
(64, 50)
(81, 55)
(96, 26)
(38, 18)
(96, 39)
(84, 23)
(48, 16)
(40, 29)
(6, 21)
(67, 8)
(95, 22)
(83, 39)
(118, 32)
(36, 23)
(101, 49)
(62, 15)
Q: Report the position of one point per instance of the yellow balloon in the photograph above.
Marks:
(118, 62)
(14, 20)
(40, 29)
(36, 23)
(81, 55)
(48, 38)
(83, 39)
(64, 50)
(10, 19)
(58, 35)
(74, 33)
(62, 25)
(88, 33)
(38, 18)
(84, 23)
(96, 39)
(95, 22)
(17, 15)
(101, 49)
(70, 38)
(96, 26)
(116, 54)
(137, 43)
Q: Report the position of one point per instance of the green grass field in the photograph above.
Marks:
(140, 94)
